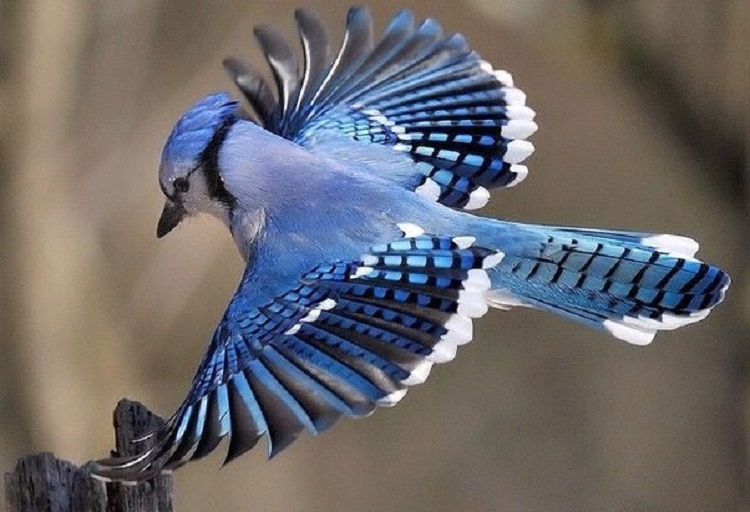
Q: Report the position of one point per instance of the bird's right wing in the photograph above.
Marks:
(349, 337)
(416, 91)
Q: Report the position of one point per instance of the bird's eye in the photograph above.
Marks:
(181, 185)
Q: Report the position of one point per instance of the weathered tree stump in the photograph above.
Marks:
(44, 483)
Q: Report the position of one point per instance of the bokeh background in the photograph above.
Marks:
(643, 113)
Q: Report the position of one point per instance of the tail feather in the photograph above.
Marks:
(630, 284)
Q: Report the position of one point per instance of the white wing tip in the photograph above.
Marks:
(521, 172)
(476, 280)
(444, 350)
(667, 321)
(478, 198)
(362, 271)
(472, 303)
(327, 304)
(518, 129)
(674, 245)
(464, 242)
(369, 260)
(501, 75)
(293, 330)
(493, 260)
(514, 96)
(419, 374)
(460, 329)
(633, 334)
(393, 398)
(517, 151)
(410, 230)
(641, 330)
(520, 112)
(429, 189)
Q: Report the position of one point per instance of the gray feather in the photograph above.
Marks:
(395, 36)
(357, 44)
(316, 45)
(410, 53)
(283, 63)
(253, 86)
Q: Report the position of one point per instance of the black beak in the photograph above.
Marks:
(172, 214)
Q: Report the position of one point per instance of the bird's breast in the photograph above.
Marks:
(246, 228)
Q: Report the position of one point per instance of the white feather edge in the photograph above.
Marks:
(419, 374)
(674, 245)
(520, 112)
(477, 198)
(517, 151)
(521, 172)
(520, 125)
(641, 330)
(393, 398)
(410, 230)
(472, 303)
(518, 129)
(634, 330)
(514, 96)
(429, 189)
(464, 242)
(313, 314)
(633, 334)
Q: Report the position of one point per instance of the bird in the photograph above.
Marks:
(347, 184)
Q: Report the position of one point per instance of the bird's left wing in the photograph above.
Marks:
(415, 91)
(349, 337)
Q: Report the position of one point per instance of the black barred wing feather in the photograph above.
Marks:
(349, 337)
(415, 90)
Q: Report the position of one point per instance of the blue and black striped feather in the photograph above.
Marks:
(349, 337)
(417, 91)
(594, 276)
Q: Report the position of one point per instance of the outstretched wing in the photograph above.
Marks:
(349, 337)
(415, 91)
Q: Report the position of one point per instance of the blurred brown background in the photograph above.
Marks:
(643, 113)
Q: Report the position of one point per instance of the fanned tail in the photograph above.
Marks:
(630, 284)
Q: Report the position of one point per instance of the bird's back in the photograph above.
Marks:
(296, 208)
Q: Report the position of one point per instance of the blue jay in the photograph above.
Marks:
(346, 192)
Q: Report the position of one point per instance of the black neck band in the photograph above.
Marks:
(209, 161)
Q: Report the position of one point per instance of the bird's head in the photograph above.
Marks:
(189, 170)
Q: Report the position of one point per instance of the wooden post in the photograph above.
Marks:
(43, 483)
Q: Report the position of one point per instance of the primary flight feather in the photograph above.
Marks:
(346, 193)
